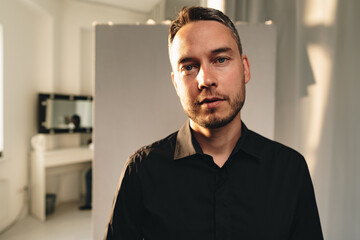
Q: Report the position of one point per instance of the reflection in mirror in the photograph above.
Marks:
(64, 113)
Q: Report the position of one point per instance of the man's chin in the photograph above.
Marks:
(214, 122)
(213, 118)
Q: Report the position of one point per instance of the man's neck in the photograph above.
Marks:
(218, 142)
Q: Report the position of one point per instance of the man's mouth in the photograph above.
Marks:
(210, 100)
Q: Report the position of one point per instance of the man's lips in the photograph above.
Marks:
(210, 100)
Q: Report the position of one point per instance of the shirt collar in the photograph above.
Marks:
(248, 143)
(186, 144)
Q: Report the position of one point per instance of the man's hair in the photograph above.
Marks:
(193, 14)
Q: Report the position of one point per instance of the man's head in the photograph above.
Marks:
(75, 119)
(209, 69)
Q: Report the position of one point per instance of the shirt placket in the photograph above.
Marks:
(221, 201)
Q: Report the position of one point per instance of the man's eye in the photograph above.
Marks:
(188, 67)
(221, 60)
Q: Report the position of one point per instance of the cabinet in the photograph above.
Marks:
(43, 160)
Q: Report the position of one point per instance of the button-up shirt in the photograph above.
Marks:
(171, 190)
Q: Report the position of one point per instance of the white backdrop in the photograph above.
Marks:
(136, 104)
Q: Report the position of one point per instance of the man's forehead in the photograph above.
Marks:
(201, 36)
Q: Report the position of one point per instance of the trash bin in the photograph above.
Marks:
(50, 203)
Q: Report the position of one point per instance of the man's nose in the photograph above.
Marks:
(206, 78)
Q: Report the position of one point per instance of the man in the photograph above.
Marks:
(214, 178)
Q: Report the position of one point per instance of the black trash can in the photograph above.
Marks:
(50, 203)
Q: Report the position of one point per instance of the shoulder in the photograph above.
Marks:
(271, 150)
(288, 164)
(163, 148)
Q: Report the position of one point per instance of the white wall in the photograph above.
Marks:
(76, 28)
(42, 53)
(26, 63)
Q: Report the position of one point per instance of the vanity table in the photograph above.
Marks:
(41, 161)
(57, 114)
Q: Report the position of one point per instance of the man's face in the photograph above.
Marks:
(209, 74)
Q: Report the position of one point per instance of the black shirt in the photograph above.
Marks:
(170, 190)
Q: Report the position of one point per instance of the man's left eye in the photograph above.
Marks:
(221, 60)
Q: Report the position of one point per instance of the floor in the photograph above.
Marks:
(67, 222)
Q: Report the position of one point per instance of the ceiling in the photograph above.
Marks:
(136, 5)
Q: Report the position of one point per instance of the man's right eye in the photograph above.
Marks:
(188, 67)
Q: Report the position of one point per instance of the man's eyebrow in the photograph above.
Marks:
(185, 60)
(221, 50)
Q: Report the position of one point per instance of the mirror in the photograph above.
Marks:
(60, 113)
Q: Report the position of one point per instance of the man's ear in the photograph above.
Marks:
(246, 66)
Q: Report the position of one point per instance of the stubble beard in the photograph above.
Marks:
(210, 120)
